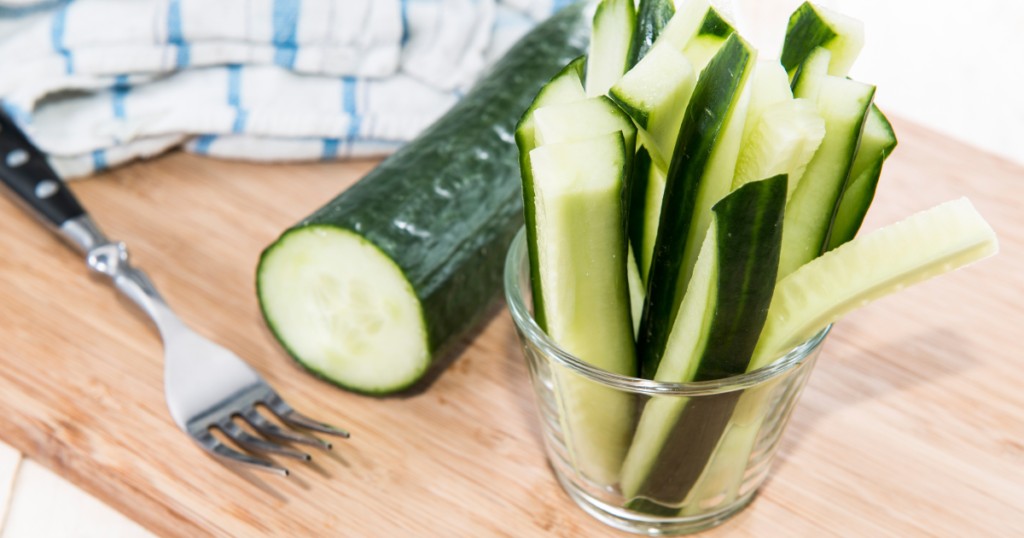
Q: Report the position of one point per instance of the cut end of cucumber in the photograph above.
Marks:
(343, 309)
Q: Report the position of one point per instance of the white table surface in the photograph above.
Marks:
(935, 62)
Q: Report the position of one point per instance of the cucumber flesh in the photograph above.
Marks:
(583, 266)
(878, 140)
(700, 175)
(564, 87)
(854, 206)
(770, 85)
(813, 26)
(637, 292)
(698, 30)
(876, 144)
(808, 77)
(652, 217)
(844, 105)
(651, 18)
(580, 120)
(655, 94)
(784, 141)
(714, 337)
(886, 261)
(344, 307)
(610, 40)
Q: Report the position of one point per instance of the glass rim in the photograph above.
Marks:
(528, 326)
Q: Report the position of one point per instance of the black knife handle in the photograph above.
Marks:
(29, 179)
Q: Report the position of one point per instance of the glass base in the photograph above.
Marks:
(633, 522)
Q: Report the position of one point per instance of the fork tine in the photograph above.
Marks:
(237, 434)
(214, 446)
(264, 426)
(287, 414)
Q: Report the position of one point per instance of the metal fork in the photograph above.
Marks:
(206, 385)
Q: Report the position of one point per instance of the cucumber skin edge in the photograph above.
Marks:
(455, 287)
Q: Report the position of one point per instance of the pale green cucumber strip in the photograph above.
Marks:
(652, 216)
(583, 267)
(855, 204)
(698, 30)
(700, 175)
(580, 120)
(870, 267)
(878, 139)
(784, 141)
(564, 87)
(651, 18)
(808, 77)
(844, 105)
(813, 26)
(655, 94)
(710, 37)
(610, 40)
(344, 309)
(637, 291)
(770, 85)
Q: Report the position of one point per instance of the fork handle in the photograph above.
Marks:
(32, 184)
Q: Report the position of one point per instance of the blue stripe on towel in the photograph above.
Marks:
(99, 160)
(559, 4)
(119, 91)
(286, 22)
(330, 149)
(235, 97)
(405, 21)
(57, 36)
(175, 36)
(348, 103)
(18, 114)
(203, 143)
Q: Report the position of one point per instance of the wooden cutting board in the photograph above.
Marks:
(913, 424)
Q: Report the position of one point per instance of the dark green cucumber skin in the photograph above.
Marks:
(715, 25)
(640, 117)
(446, 206)
(638, 198)
(705, 115)
(806, 31)
(529, 209)
(749, 245)
(855, 204)
(651, 17)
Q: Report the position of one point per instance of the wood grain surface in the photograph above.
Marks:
(912, 425)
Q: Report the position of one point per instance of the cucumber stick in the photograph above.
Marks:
(565, 87)
(655, 94)
(651, 219)
(783, 142)
(369, 289)
(610, 40)
(813, 26)
(868, 268)
(698, 30)
(651, 18)
(713, 338)
(770, 85)
(582, 250)
(584, 119)
(700, 175)
(876, 144)
(844, 104)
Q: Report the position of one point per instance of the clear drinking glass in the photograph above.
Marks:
(648, 457)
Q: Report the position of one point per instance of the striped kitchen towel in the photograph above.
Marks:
(96, 83)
